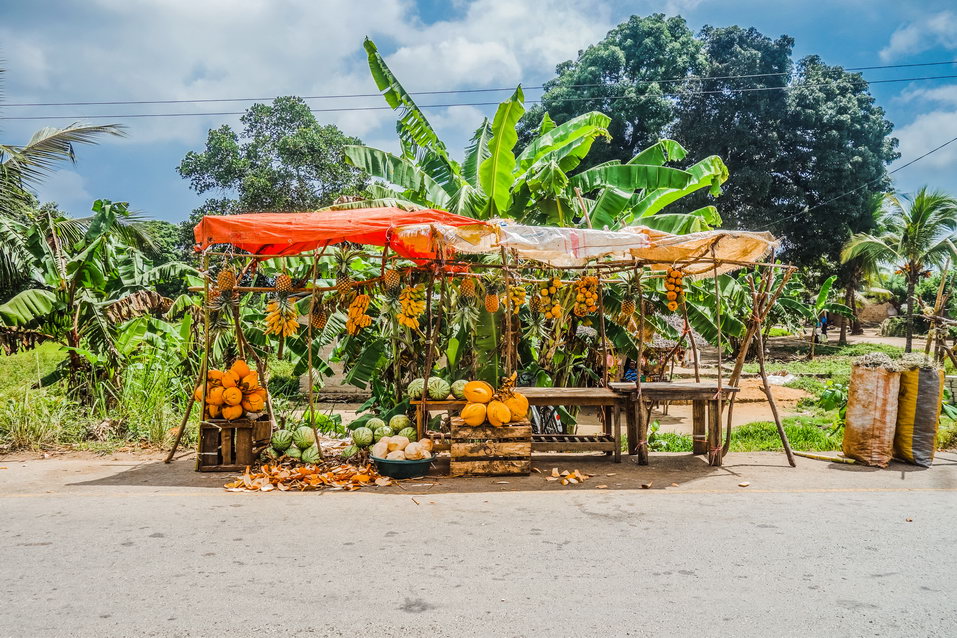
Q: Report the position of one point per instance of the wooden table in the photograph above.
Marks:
(706, 410)
(610, 402)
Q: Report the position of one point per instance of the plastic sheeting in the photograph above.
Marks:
(579, 246)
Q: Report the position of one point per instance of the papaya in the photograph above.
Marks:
(517, 405)
(498, 414)
(473, 414)
(231, 412)
(232, 396)
(478, 392)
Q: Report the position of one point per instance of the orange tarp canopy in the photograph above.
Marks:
(295, 233)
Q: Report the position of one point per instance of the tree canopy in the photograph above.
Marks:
(794, 136)
(283, 160)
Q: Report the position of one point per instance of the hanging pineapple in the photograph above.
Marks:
(516, 296)
(318, 316)
(226, 280)
(467, 288)
(411, 305)
(392, 279)
(493, 292)
(357, 317)
(674, 289)
(586, 295)
(631, 293)
(344, 282)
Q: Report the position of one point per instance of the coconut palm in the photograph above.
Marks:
(914, 234)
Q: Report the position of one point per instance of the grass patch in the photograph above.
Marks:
(20, 371)
(780, 332)
(947, 435)
(806, 434)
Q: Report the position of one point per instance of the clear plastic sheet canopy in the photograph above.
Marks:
(696, 253)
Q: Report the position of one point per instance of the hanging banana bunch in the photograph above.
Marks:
(281, 313)
(411, 306)
(357, 317)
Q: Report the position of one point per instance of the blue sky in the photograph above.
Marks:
(97, 50)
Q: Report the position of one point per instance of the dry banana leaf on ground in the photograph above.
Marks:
(334, 476)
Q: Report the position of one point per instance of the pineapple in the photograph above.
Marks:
(467, 288)
(283, 284)
(492, 301)
(318, 317)
(392, 279)
(226, 280)
(628, 307)
(344, 282)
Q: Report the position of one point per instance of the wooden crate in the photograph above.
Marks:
(231, 446)
(488, 451)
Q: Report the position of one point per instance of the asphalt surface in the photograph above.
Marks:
(122, 548)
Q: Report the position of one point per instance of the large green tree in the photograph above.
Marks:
(913, 235)
(283, 159)
(627, 76)
(795, 137)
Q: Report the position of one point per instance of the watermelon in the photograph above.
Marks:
(374, 423)
(438, 388)
(458, 389)
(415, 389)
(303, 437)
(293, 452)
(349, 451)
(408, 433)
(271, 454)
(380, 432)
(362, 437)
(311, 455)
(281, 440)
(399, 421)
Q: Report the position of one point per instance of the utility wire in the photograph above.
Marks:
(452, 91)
(458, 104)
(862, 186)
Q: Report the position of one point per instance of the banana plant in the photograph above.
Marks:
(813, 311)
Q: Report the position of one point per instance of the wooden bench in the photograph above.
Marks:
(706, 410)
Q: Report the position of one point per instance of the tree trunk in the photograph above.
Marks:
(848, 301)
(911, 284)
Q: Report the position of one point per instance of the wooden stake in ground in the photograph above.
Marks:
(766, 387)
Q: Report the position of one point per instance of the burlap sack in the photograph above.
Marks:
(871, 415)
(918, 413)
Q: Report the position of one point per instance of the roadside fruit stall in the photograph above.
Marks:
(452, 310)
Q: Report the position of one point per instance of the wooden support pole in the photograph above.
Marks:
(715, 448)
(309, 339)
(206, 336)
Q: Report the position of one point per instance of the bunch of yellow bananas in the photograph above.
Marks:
(358, 318)
(412, 302)
(516, 296)
(281, 318)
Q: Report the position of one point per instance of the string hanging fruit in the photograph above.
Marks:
(283, 284)
(318, 316)
(674, 288)
(281, 317)
(411, 305)
(357, 317)
(631, 293)
(492, 296)
(344, 255)
(586, 295)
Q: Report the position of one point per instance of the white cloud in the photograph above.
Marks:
(926, 132)
(942, 95)
(935, 30)
(68, 189)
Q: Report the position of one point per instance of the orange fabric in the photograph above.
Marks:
(295, 233)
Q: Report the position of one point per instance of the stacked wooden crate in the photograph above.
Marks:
(489, 451)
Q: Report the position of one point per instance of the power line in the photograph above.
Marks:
(862, 186)
(453, 91)
(459, 104)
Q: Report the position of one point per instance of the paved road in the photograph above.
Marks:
(92, 549)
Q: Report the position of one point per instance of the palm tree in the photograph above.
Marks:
(913, 235)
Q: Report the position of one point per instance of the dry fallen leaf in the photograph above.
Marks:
(555, 472)
(743, 484)
(601, 487)
(535, 469)
(501, 482)
(647, 486)
(383, 481)
(674, 485)
(611, 474)
(551, 478)
(909, 520)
